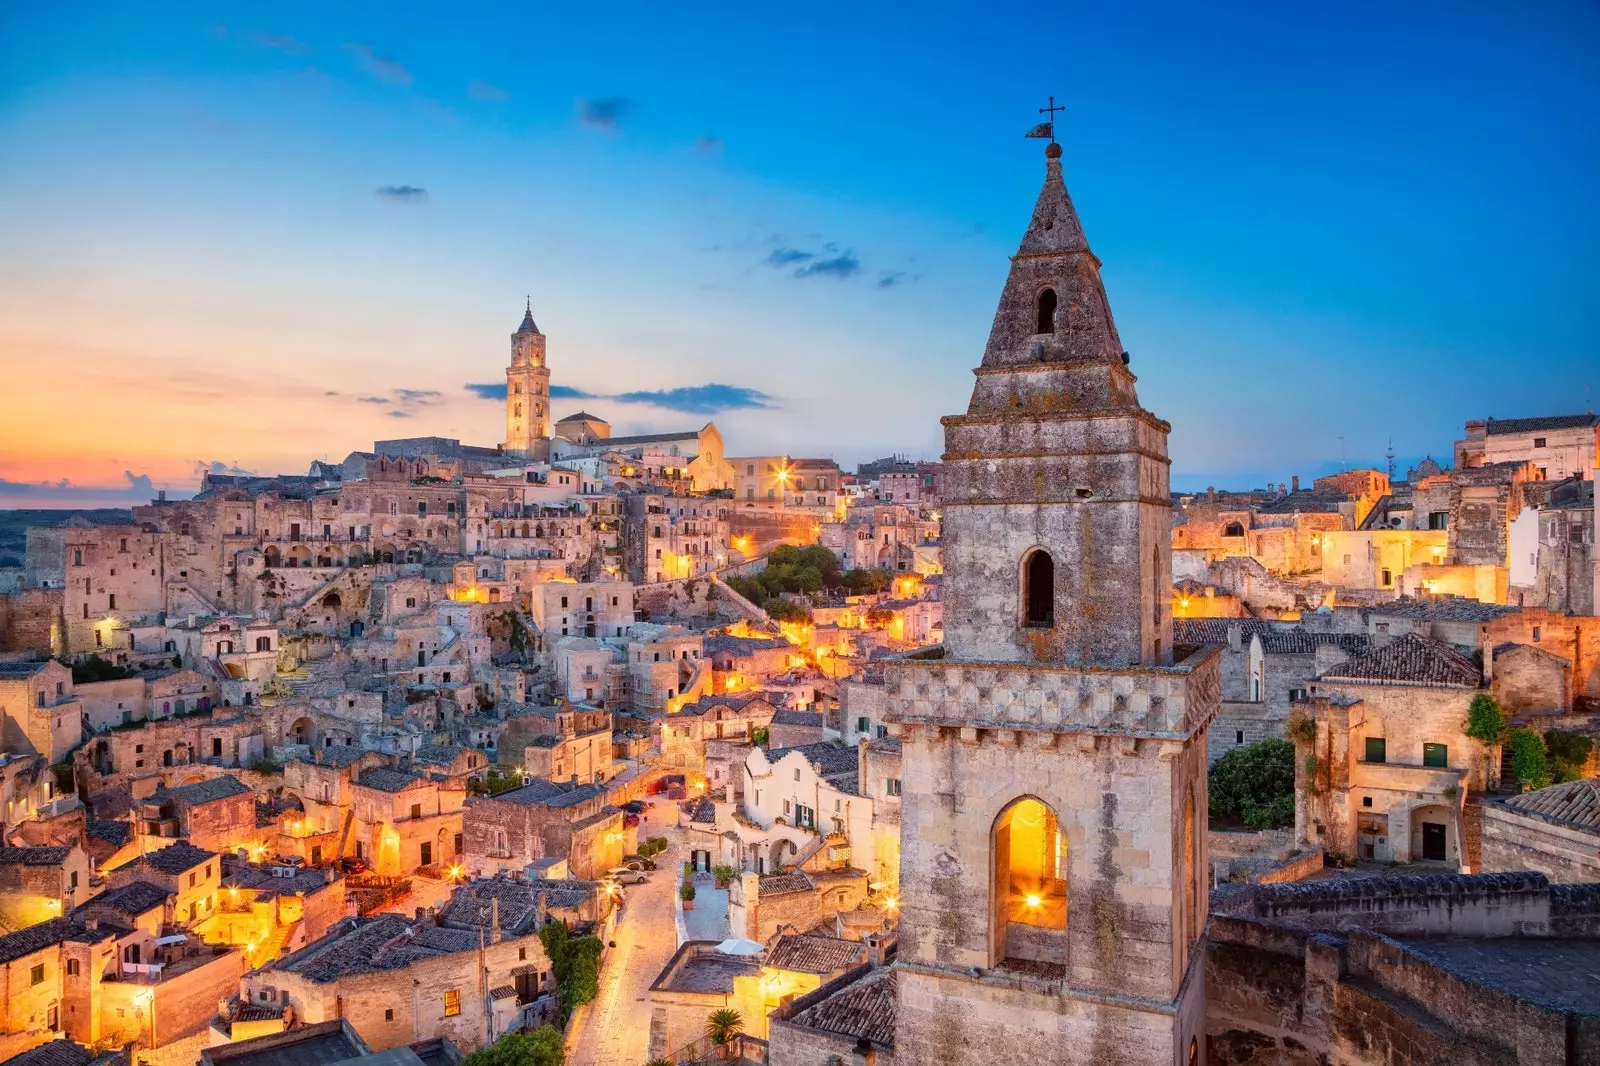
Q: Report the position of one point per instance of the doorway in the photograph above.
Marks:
(1433, 842)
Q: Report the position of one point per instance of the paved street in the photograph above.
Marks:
(614, 1030)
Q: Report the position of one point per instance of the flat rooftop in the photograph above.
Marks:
(1559, 974)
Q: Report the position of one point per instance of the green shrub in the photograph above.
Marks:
(1528, 760)
(1254, 785)
(543, 1047)
(1568, 753)
(1485, 722)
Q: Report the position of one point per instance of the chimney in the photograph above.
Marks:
(1235, 637)
(1294, 482)
(494, 920)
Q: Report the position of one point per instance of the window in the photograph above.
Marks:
(1236, 529)
(1388, 578)
(522, 954)
(388, 1014)
(1366, 801)
(452, 1002)
(36, 975)
(862, 725)
(191, 880)
(1437, 755)
(1045, 320)
(1377, 749)
(891, 786)
(1439, 520)
(416, 810)
(1030, 854)
(1039, 586)
(72, 967)
(1538, 442)
(1536, 634)
(1238, 736)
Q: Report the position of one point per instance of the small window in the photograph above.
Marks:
(1536, 634)
(452, 1002)
(1437, 755)
(1388, 578)
(388, 1014)
(416, 810)
(1366, 801)
(1039, 586)
(1538, 442)
(522, 954)
(1377, 749)
(72, 967)
(36, 975)
(1238, 736)
(1045, 320)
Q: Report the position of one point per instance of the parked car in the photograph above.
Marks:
(290, 860)
(624, 876)
(629, 821)
(353, 866)
(635, 806)
(638, 862)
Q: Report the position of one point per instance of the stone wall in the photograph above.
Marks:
(1513, 840)
(30, 620)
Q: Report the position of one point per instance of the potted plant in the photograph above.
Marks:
(722, 1026)
(724, 875)
(686, 893)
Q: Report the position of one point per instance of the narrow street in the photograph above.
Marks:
(614, 1030)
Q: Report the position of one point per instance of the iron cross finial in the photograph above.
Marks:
(1050, 116)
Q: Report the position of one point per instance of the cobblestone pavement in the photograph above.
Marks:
(614, 1030)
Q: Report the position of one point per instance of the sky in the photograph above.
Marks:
(245, 236)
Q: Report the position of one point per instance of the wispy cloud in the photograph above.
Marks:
(282, 42)
(372, 399)
(688, 399)
(403, 194)
(606, 112)
(782, 257)
(840, 265)
(401, 414)
(699, 399)
(380, 66)
(63, 492)
(216, 466)
(418, 396)
(482, 90)
(890, 278)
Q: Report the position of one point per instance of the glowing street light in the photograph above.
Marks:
(1033, 901)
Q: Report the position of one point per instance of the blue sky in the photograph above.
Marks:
(224, 226)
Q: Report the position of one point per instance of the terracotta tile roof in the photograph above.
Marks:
(700, 810)
(118, 833)
(61, 1052)
(386, 779)
(542, 793)
(862, 1008)
(203, 791)
(1495, 427)
(810, 953)
(1275, 640)
(132, 899)
(34, 856)
(1442, 609)
(829, 760)
(778, 884)
(14, 946)
(1575, 804)
(502, 992)
(1412, 659)
(176, 858)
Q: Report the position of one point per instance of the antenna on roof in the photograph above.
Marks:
(1390, 456)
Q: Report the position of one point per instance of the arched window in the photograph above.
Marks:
(1029, 853)
(1047, 312)
(1039, 590)
(1233, 529)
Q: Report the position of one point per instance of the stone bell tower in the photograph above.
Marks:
(1053, 865)
(528, 393)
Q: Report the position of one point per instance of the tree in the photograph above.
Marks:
(1527, 757)
(723, 1025)
(1254, 785)
(543, 1047)
(1485, 723)
(574, 962)
(760, 736)
(1569, 754)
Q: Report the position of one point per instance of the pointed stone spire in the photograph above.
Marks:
(528, 325)
(1054, 307)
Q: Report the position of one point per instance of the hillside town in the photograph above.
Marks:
(639, 749)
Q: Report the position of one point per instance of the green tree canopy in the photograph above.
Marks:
(542, 1047)
(1254, 785)
(1485, 722)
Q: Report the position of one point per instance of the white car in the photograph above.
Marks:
(624, 876)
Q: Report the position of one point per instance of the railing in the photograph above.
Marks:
(741, 1047)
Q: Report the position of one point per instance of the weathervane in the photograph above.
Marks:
(1047, 128)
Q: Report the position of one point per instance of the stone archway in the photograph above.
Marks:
(1028, 884)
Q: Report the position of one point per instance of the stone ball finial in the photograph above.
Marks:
(1052, 151)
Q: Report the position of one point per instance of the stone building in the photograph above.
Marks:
(218, 815)
(39, 883)
(1554, 831)
(1469, 971)
(1552, 547)
(39, 712)
(1557, 445)
(672, 537)
(1384, 773)
(1042, 906)
(528, 393)
(543, 819)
